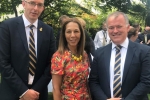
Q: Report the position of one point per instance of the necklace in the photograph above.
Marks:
(76, 58)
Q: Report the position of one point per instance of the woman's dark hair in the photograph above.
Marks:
(132, 32)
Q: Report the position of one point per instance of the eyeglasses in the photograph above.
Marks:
(33, 4)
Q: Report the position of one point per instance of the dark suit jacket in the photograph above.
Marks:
(14, 59)
(136, 75)
(141, 38)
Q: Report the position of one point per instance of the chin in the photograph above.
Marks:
(73, 45)
(117, 42)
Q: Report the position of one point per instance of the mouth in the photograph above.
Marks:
(116, 35)
(33, 13)
(73, 41)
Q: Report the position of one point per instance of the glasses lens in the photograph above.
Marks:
(40, 5)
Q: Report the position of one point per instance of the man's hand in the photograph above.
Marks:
(114, 99)
(148, 42)
(30, 95)
(141, 42)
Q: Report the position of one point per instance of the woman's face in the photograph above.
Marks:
(72, 34)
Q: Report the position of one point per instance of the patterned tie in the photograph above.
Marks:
(32, 54)
(104, 38)
(117, 74)
(104, 41)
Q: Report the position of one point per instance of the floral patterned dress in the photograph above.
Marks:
(75, 73)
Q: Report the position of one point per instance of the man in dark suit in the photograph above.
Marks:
(21, 47)
(144, 37)
(120, 70)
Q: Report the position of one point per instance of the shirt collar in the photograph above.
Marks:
(27, 23)
(124, 44)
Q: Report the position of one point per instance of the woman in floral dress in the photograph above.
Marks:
(70, 64)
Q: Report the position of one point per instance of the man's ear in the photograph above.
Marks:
(128, 27)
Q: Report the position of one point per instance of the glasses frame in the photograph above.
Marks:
(33, 4)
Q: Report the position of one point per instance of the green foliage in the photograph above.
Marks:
(55, 8)
(50, 96)
(9, 6)
(138, 12)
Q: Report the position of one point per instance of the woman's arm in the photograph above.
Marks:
(56, 82)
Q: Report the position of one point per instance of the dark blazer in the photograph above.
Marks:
(14, 59)
(136, 75)
(141, 38)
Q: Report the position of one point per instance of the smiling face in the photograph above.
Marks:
(117, 29)
(72, 34)
(32, 12)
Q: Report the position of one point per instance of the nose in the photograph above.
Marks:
(72, 34)
(36, 6)
(115, 30)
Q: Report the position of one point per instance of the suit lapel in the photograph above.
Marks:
(22, 32)
(129, 57)
(107, 55)
(40, 32)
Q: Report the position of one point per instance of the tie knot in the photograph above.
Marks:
(31, 26)
(118, 47)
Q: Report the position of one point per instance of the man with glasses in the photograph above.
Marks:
(26, 47)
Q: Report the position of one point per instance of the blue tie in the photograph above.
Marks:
(117, 74)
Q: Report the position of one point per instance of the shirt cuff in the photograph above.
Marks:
(23, 94)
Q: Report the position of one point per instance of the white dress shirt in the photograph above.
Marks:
(98, 40)
(27, 29)
(123, 52)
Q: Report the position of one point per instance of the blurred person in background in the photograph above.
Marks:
(133, 34)
(102, 38)
(61, 21)
(144, 37)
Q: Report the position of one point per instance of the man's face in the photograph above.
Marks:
(33, 9)
(147, 30)
(104, 27)
(117, 29)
